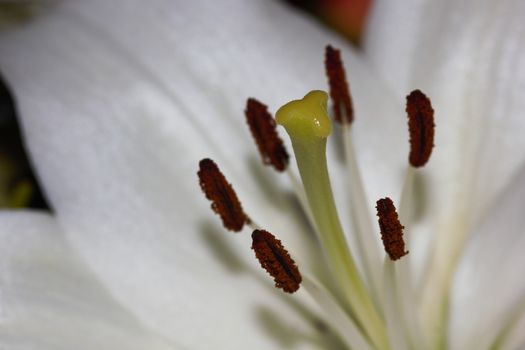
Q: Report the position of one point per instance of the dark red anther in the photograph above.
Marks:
(223, 197)
(391, 229)
(421, 128)
(264, 131)
(276, 261)
(339, 91)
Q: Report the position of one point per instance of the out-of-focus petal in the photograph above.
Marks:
(49, 300)
(515, 339)
(469, 57)
(489, 286)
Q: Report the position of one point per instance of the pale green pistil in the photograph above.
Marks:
(308, 126)
(306, 119)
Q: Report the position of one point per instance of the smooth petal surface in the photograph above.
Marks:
(489, 286)
(469, 57)
(119, 102)
(516, 338)
(51, 301)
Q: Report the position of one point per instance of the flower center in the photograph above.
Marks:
(372, 307)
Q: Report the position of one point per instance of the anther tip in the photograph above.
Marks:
(264, 131)
(274, 258)
(339, 90)
(421, 127)
(224, 199)
(391, 229)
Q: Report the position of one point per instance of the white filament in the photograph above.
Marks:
(335, 316)
(367, 246)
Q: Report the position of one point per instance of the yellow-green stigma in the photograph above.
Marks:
(306, 118)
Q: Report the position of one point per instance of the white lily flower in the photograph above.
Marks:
(120, 100)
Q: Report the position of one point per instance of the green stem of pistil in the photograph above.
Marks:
(308, 125)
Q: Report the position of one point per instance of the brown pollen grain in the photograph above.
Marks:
(274, 258)
(264, 131)
(391, 229)
(421, 128)
(224, 199)
(339, 90)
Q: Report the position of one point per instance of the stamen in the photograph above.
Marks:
(391, 229)
(421, 127)
(276, 261)
(349, 331)
(224, 200)
(339, 91)
(263, 129)
(394, 312)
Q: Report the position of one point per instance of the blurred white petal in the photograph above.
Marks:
(51, 301)
(469, 57)
(489, 286)
(516, 338)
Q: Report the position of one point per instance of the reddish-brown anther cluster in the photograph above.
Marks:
(223, 197)
(421, 128)
(263, 128)
(276, 261)
(339, 91)
(391, 229)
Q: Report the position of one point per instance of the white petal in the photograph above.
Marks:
(48, 299)
(117, 117)
(489, 286)
(391, 40)
(469, 57)
(516, 338)
(213, 72)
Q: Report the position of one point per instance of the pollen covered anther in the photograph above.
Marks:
(421, 128)
(339, 91)
(391, 229)
(276, 261)
(223, 197)
(263, 128)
